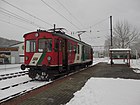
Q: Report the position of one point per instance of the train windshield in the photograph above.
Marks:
(30, 46)
(45, 45)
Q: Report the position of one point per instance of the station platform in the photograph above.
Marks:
(62, 92)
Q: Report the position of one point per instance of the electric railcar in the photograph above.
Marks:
(50, 53)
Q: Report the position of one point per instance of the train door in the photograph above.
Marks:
(83, 53)
(64, 53)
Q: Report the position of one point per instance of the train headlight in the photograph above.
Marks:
(49, 58)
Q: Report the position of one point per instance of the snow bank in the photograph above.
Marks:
(135, 64)
(108, 91)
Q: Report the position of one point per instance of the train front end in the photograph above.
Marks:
(38, 54)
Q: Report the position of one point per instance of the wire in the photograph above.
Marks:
(101, 21)
(14, 24)
(27, 13)
(69, 12)
(19, 17)
(60, 14)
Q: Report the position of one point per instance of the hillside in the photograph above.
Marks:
(6, 42)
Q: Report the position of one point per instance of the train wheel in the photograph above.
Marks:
(42, 76)
(32, 74)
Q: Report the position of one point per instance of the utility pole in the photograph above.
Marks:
(111, 39)
(111, 30)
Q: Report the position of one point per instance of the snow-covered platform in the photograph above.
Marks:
(62, 93)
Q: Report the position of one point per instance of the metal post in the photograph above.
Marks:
(79, 33)
(111, 38)
(79, 37)
(111, 30)
(54, 27)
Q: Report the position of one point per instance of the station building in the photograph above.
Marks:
(13, 54)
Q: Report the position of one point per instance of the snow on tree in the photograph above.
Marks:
(124, 34)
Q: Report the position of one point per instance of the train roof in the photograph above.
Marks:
(70, 37)
(61, 34)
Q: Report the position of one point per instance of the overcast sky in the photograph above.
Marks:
(83, 15)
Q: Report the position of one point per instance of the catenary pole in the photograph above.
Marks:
(111, 39)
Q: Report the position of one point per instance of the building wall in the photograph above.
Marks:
(15, 57)
(20, 47)
(9, 57)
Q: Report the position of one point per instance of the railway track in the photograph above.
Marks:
(25, 85)
(17, 86)
(13, 75)
(4, 67)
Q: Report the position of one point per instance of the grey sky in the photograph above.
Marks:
(88, 13)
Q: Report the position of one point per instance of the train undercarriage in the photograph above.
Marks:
(45, 73)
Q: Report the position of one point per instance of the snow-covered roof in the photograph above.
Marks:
(120, 49)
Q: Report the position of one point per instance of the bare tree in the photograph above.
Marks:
(136, 49)
(124, 34)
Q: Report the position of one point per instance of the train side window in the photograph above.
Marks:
(45, 45)
(60, 45)
(56, 45)
(75, 48)
(30, 46)
(69, 46)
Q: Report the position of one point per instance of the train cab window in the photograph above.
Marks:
(30, 46)
(45, 45)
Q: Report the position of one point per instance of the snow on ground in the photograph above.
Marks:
(135, 63)
(98, 60)
(109, 91)
(9, 68)
(103, 91)
(12, 68)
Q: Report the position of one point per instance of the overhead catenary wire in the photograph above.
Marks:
(26, 12)
(60, 14)
(14, 24)
(69, 12)
(89, 32)
(53, 10)
(11, 14)
(99, 22)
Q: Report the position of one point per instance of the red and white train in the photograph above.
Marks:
(50, 53)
